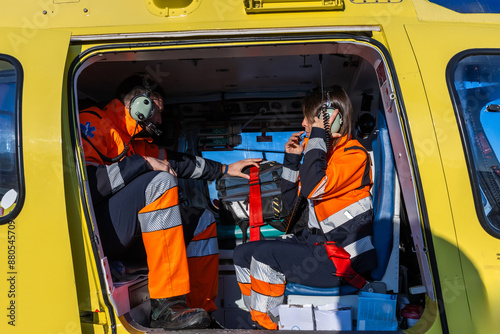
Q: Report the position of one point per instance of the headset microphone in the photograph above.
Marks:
(151, 128)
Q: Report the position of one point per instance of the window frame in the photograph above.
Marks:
(18, 138)
(462, 127)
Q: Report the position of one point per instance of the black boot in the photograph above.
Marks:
(173, 313)
(214, 324)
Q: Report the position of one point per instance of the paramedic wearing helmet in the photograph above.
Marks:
(133, 184)
(336, 182)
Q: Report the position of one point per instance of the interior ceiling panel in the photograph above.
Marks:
(225, 84)
(199, 73)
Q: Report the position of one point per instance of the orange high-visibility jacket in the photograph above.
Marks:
(337, 186)
(106, 132)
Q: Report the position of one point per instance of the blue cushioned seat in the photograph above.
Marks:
(383, 197)
(304, 290)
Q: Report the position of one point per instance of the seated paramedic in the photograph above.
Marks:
(335, 181)
(134, 191)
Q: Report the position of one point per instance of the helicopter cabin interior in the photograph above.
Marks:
(231, 102)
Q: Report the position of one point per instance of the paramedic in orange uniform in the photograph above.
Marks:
(336, 182)
(134, 191)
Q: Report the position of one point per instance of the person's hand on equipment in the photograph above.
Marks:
(235, 168)
(157, 164)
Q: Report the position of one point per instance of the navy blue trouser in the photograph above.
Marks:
(144, 219)
(297, 258)
(117, 220)
(264, 267)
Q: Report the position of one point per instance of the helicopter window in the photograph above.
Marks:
(9, 140)
(476, 88)
(470, 6)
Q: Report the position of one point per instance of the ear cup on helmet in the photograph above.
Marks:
(141, 108)
(337, 123)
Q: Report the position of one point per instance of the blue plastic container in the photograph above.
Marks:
(377, 312)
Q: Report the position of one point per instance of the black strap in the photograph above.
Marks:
(300, 205)
(222, 187)
(276, 178)
(118, 157)
(103, 157)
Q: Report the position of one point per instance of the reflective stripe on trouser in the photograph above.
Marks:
(203, 261)
(262, 288)
(261, 268)
(244, 281)
(268, 291)
(163, 237)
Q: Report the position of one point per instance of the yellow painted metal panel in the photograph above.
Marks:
(425, 146)
(94, 312)
(425, 143)
(135, 16)
(426, 140)
(45, 294)
(434, 45)
(465, 272)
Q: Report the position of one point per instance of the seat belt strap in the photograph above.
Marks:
(255, 201)
(342, 261)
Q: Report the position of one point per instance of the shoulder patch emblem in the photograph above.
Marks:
(87, 129)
